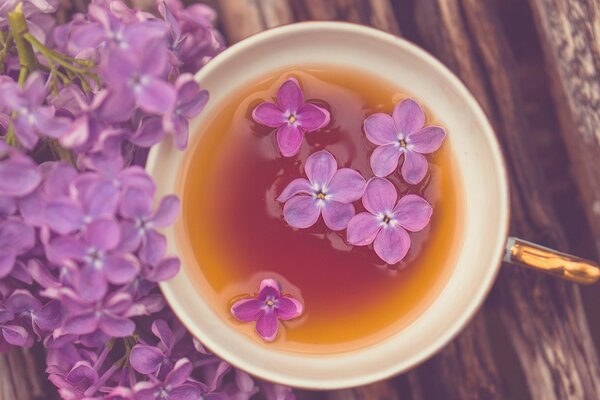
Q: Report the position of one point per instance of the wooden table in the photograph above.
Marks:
(534, 67)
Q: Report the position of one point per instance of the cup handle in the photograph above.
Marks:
(565, 266)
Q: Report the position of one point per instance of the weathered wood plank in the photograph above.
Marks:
(242, 18)
(570, 34)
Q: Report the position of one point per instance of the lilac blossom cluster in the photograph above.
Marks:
(80, 249)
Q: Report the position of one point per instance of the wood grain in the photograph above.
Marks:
(570, 34)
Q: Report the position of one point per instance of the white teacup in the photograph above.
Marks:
(479, 162)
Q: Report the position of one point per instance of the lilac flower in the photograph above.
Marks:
(147, 359)
(137, 77)
(292, 116)
(327, 191)
(12, 333)
(102, 261)
(41, 317)
(19, 175)
(267, 309)
(140, 223)
(386, 222)
(176, 385)
(190, 102)
(402, 133)
(31, 119)
(16, 239)
(106, 316)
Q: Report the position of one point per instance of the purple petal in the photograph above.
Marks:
(288, 308)
(118, 302)
(35, 89)
(135, 203)
(269, 114)
(346, 186)
(267, 326)
(58, 180)
(289, 96)
(16, 335)
(118, 106)
(155, 95)
(82, 375)
(413, 212)
(103, 234)
(146, 359)
(337, 215)
(247, 310)
(162, 331)
(180, 373)
(131, 237)
(63, 216)
(100, 199)
(116, 326)
(117, 67)
(8, 206)
(77, 133)
(362, 229)
(87, 35)
(91, 283)
(81, 324)
(7, 262)
(178, 126)
(167, 211)
(191, 99)
(65, 248)
(311, 117)
(153, 247)
(50, 316)
(18, 177)
(297, 186)
(392, 244)
(192, 391)
(119, 270)
(427, 140)
(380, 196)
(22, 301)
(408, 116)
(25, 132)
(50, 125)
(384, 159)
(16, 236)
(165, 270)
(414, 167)
(301, 211)
(320, 168)
(149, 132)
(268, 288)
(380, 129)
(153, 59)
(289, 140)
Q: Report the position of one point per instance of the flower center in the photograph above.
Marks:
(270, 303)
(292, 119)
(386, 220)
(321, 195)
(402, 142)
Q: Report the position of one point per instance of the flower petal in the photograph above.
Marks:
(297, 186)
(146, 359)
(380, 196)
(427, 140)
(103, 234)
(320, 168)
(167, 211)
(162, 331)
(63, 216)
(380, 129)
(289, 140)
(247, 310)
(269, 114)
(65, 248)
(181, 372)
(15, 335)
(289, 96)
(268, 288)
(414, 167)
(288, 308)
(154, 247)
(116, 326)
(408, 116)
(346, 186)
(413, 212)
(7, 262)
(100, 199)
(81, 324)
(337, 215)
(301, 211)
(392, 244)
(311, 117)
(267, 326)
(155, 96)
(362, 229)
(135, 203)
(91, 283)
(384, 159)
(119, 270)
(18, 178)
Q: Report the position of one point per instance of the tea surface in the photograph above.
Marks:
(236, 236)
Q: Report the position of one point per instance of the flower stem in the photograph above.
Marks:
(18, 28)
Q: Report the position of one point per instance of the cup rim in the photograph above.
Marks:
(229, 355)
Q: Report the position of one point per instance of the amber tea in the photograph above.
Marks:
(330, 281)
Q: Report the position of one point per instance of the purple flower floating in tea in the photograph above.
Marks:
(292, 116)
(402, 133)
(328, 191)
(267, 309)
(386, 222)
